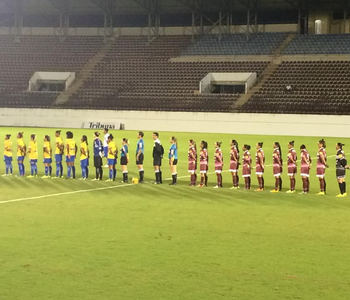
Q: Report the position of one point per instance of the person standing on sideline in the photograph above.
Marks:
(33, 156)
(321, 166)
(140, 155)
(105, 145)
(341, 164)
(112, 158)
(98, 154)
(173, 159)
(305, 166)
(192, 161)
(158, 152)
(59, 150)
(21, 153)
(84, 157)
(124, 159)
(47, 157)
(8, 154)
(260, 166)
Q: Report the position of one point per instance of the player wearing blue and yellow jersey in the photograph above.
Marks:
(21, 153)
(71, 151)
(112, 158)
(33, 156)
(140, 149)
(59, 150)
(47, 154)
(8, 153)
(173, 159)
(84, 157)
(124, 159)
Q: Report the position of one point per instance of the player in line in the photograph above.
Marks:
(305, 167)
(203, 164)
(112, 158)
(124, 159)
(98, 154)
(246, 162)
(260, 166)
(173, 159)
(219, 163)
(21, 153)
(140, 148)
(234, 164)
(321, 166)
(192, 161)
(84, 157)
(59, 150)
(71, 151)
(158, 152)
(47, 154)
(8, 155)
(341, 165)
(292, 166)
(277, 166)
(33, 156)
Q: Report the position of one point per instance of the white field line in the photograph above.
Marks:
(64, 194)
(225, 171)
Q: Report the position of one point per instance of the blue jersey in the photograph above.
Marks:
(124, 151)
(173, 151)
(97, 147)
(140, 146)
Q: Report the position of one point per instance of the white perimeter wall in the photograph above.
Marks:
(267, 124)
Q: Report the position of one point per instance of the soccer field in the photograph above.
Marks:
(71, 239)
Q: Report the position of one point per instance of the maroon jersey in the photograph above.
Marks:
(292, 157)
(247, 158)
(219, 159)
(192, 154)
(203, 157)
(276, 157)
(234, 155)
(260, 157)
(321, 153)
(305, 158)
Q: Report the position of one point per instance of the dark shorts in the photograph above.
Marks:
(157, 161)
(320, 172)
(97, 162)
(246, 172)
(192, 167)
(174, 162)
(304, 171)
(340, 173)
(140, 160)
(233, 166)
(277, 170)
(203, 168)
(259, 170)
(123, 161)
(292, 170)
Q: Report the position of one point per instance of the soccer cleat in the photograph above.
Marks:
(340, 196)
(106, 166)
(320, 194)
(259, 190)
(95, 179)
(200, 185)
(290, 192)
(141, 181)
(274, 191)
(5, 175)
(345, 194)
(233, 188)
(45, 177)
(30, 176)
(215, 187)
(172, 183)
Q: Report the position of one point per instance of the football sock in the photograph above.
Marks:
(73, 171)
(46, 171)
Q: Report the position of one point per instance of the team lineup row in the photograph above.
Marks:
(109, 150)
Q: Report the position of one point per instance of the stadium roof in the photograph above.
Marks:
(165, 6)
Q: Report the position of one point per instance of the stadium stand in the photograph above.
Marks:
(319, 44)
(136, 76)
(237, 44)
(315, 88)
(18, 62)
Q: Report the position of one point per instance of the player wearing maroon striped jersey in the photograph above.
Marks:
(321, 166)
(292, 166)
(260, 166)
(203, 162)
(192, 161)
(277, 166)
(234, 163)
(305, 162)
(341, 165)
(219, 163)
(246, 170)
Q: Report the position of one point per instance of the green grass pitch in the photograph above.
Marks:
(106, 240)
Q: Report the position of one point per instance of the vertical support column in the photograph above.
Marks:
(220, 27)
(18, 18)
(345, 15)
(248, 23)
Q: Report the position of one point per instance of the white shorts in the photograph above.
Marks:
(277, 175)
(259, 173)
(248, 175)
(233, 171)
(304, 175)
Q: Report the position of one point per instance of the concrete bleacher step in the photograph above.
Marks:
(84, 74)
(286, 42)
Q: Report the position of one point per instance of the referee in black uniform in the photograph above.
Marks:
(158, 152)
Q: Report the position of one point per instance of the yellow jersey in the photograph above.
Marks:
(33, 150)
(47, 145)
(21, 144)
(8, 148)
(59, 144)
(71, 145)
(111, 148)
(84, 147)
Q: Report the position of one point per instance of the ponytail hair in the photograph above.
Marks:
(247, 147)
(219, 144)
(69, 134)
(278, 145)
(174, 139)
(205, 144)
(20, 134)
(111, 137)
(47, 138)
(341, 145)
(8, 136)
(194, 144)
(302, 147)
(125, 140)
(32, 136)
(323, 142)
(235, 143)
(291, 143)
(84, 139)
(260, 144)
